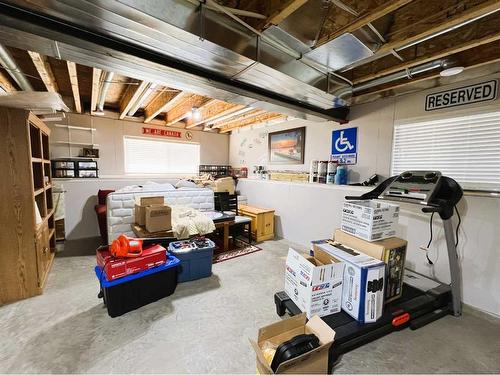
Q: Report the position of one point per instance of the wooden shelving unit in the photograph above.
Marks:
(26, 205)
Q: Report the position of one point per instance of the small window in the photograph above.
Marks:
(465, 148)
(151, 156)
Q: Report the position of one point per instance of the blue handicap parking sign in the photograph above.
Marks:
(344, 145)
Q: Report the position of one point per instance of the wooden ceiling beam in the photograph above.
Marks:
(364, 19)
(130, 96)
(280, 14)
(424, 31)
(212, 111)
(259, 119)
(73, 78)
(183, 108)
(163, 103)
(96, 83)
(6, 83)
(243, 117)
(44, 71)
(435, 52)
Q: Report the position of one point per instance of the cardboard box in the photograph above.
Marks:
(158, 218)
(224, 184)
(363, 283)
(313, 362)
(370, 220)
(390, 250)
(140, 207)
(314, 283)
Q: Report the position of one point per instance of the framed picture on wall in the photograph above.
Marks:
(287, 146)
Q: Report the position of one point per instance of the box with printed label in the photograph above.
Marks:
(140, 207)
(314, 283)
(370, 220)
(158, 218)
(363, 281)
(391, 250)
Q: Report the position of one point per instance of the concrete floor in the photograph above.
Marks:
(204, 328)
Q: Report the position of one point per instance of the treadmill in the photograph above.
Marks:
(423, 300)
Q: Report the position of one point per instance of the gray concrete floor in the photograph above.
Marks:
(204, 328)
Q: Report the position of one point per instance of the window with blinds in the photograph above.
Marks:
(152, 156)
(465, 148)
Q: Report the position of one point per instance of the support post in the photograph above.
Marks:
(456, 282)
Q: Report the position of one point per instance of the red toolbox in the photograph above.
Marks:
(114, 268)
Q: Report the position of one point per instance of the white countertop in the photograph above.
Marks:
(314, 185)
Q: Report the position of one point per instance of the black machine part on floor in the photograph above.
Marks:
(294, 347)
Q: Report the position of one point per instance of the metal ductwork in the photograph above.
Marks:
(11, 67)
(408, 73)
(178, 44)
(108, 78)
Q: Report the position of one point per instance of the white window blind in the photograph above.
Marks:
(465, 148)
(151, 156)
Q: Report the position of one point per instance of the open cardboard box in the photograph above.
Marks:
(313, 362)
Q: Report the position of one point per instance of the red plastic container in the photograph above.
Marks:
(114, 268)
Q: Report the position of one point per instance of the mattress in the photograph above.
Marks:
(120, 206)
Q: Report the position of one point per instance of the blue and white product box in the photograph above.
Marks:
(314, 283)
(370, 220)
(363, 281)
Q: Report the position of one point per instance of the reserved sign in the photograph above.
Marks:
(161, 132)
(480, 92)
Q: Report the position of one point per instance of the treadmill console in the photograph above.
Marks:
(414, 187)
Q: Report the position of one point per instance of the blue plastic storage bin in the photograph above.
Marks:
(195, 263)
(133, 291)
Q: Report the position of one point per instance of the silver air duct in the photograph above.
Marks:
(108, 78)
(408, 73)
(10, 65)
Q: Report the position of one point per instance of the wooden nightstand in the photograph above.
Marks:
(262, 221)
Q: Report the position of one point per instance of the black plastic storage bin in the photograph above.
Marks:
(133, 291)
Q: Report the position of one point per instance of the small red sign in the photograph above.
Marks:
(161, 132)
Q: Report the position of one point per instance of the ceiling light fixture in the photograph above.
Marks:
(446, 72)
(195, 114)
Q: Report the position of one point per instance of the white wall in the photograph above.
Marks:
(109, 135)
(307, 213)
(81, 195)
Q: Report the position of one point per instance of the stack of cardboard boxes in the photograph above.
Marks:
(153, 214)
(358, 270)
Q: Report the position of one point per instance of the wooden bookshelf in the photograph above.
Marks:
(26, 205)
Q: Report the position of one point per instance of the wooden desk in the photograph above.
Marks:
(262, 221)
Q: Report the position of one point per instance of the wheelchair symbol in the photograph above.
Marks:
(342, 143)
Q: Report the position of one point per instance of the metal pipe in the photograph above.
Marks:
(407, 73)
(456, 282)
(11, 67)
(108, 77)
(424, 39)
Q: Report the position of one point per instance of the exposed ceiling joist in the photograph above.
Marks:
(434, 52)
(5, 82)
(214, 111)
(364, 19)
(284, 11)
(471, 58)
(44, 71)
(73, 77)
(96, 78)
(183, 108)
(255, 120)
(423, 31)
(131, 95)
(251, 114)
(162, 103)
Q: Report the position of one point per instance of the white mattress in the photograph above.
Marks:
(120, 206)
